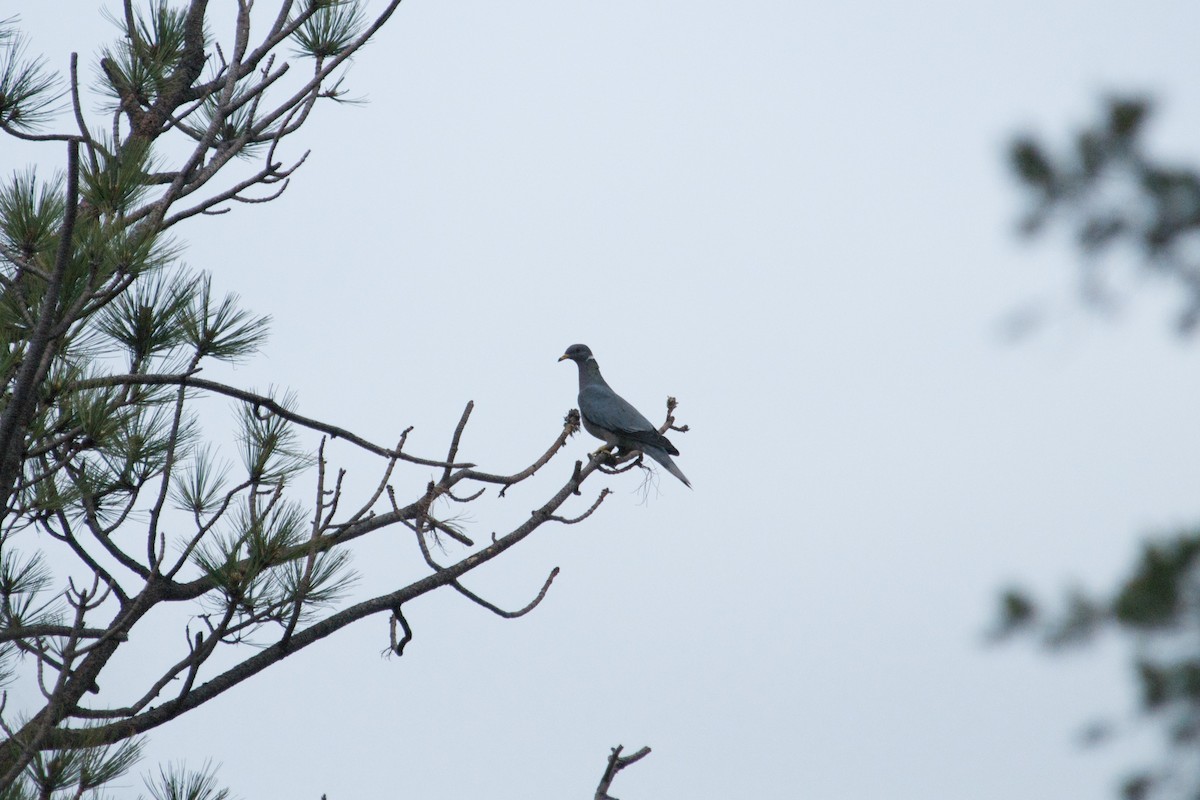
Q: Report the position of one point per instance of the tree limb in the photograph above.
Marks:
(261, 401)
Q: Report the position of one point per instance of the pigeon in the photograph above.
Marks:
(606, 415)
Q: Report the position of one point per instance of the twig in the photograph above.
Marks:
(500, 612)
(454, 440)
(570, 426)
(573, 520)
(397, 647)
(30, 631)
(616, 763)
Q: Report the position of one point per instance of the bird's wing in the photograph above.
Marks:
(606, 409)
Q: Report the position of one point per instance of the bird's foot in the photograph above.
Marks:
(623, 460)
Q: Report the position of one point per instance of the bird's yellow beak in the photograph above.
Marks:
(563, 357)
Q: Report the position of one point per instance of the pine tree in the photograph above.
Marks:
(97, 450)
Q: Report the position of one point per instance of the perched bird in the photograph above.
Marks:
(607, 416)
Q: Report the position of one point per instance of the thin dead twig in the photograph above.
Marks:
(616, 763)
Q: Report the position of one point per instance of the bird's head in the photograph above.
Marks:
(578, 353)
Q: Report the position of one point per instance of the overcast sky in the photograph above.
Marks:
(794, 217)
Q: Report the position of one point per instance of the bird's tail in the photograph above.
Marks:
(660, 455)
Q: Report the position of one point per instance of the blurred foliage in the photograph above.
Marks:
(1157, 608)
(1119, 199)
(1112, 193)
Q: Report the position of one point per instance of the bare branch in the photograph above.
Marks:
(39, 137)
(397, 646)
(167, 469)
(68, 536)
(474, 598)
(573, 520)
(469, 498)
(75, 104)
(616, 763)
(33, 631)
(454, 440)
(570, 426)
(268, 174)
(259, 401)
